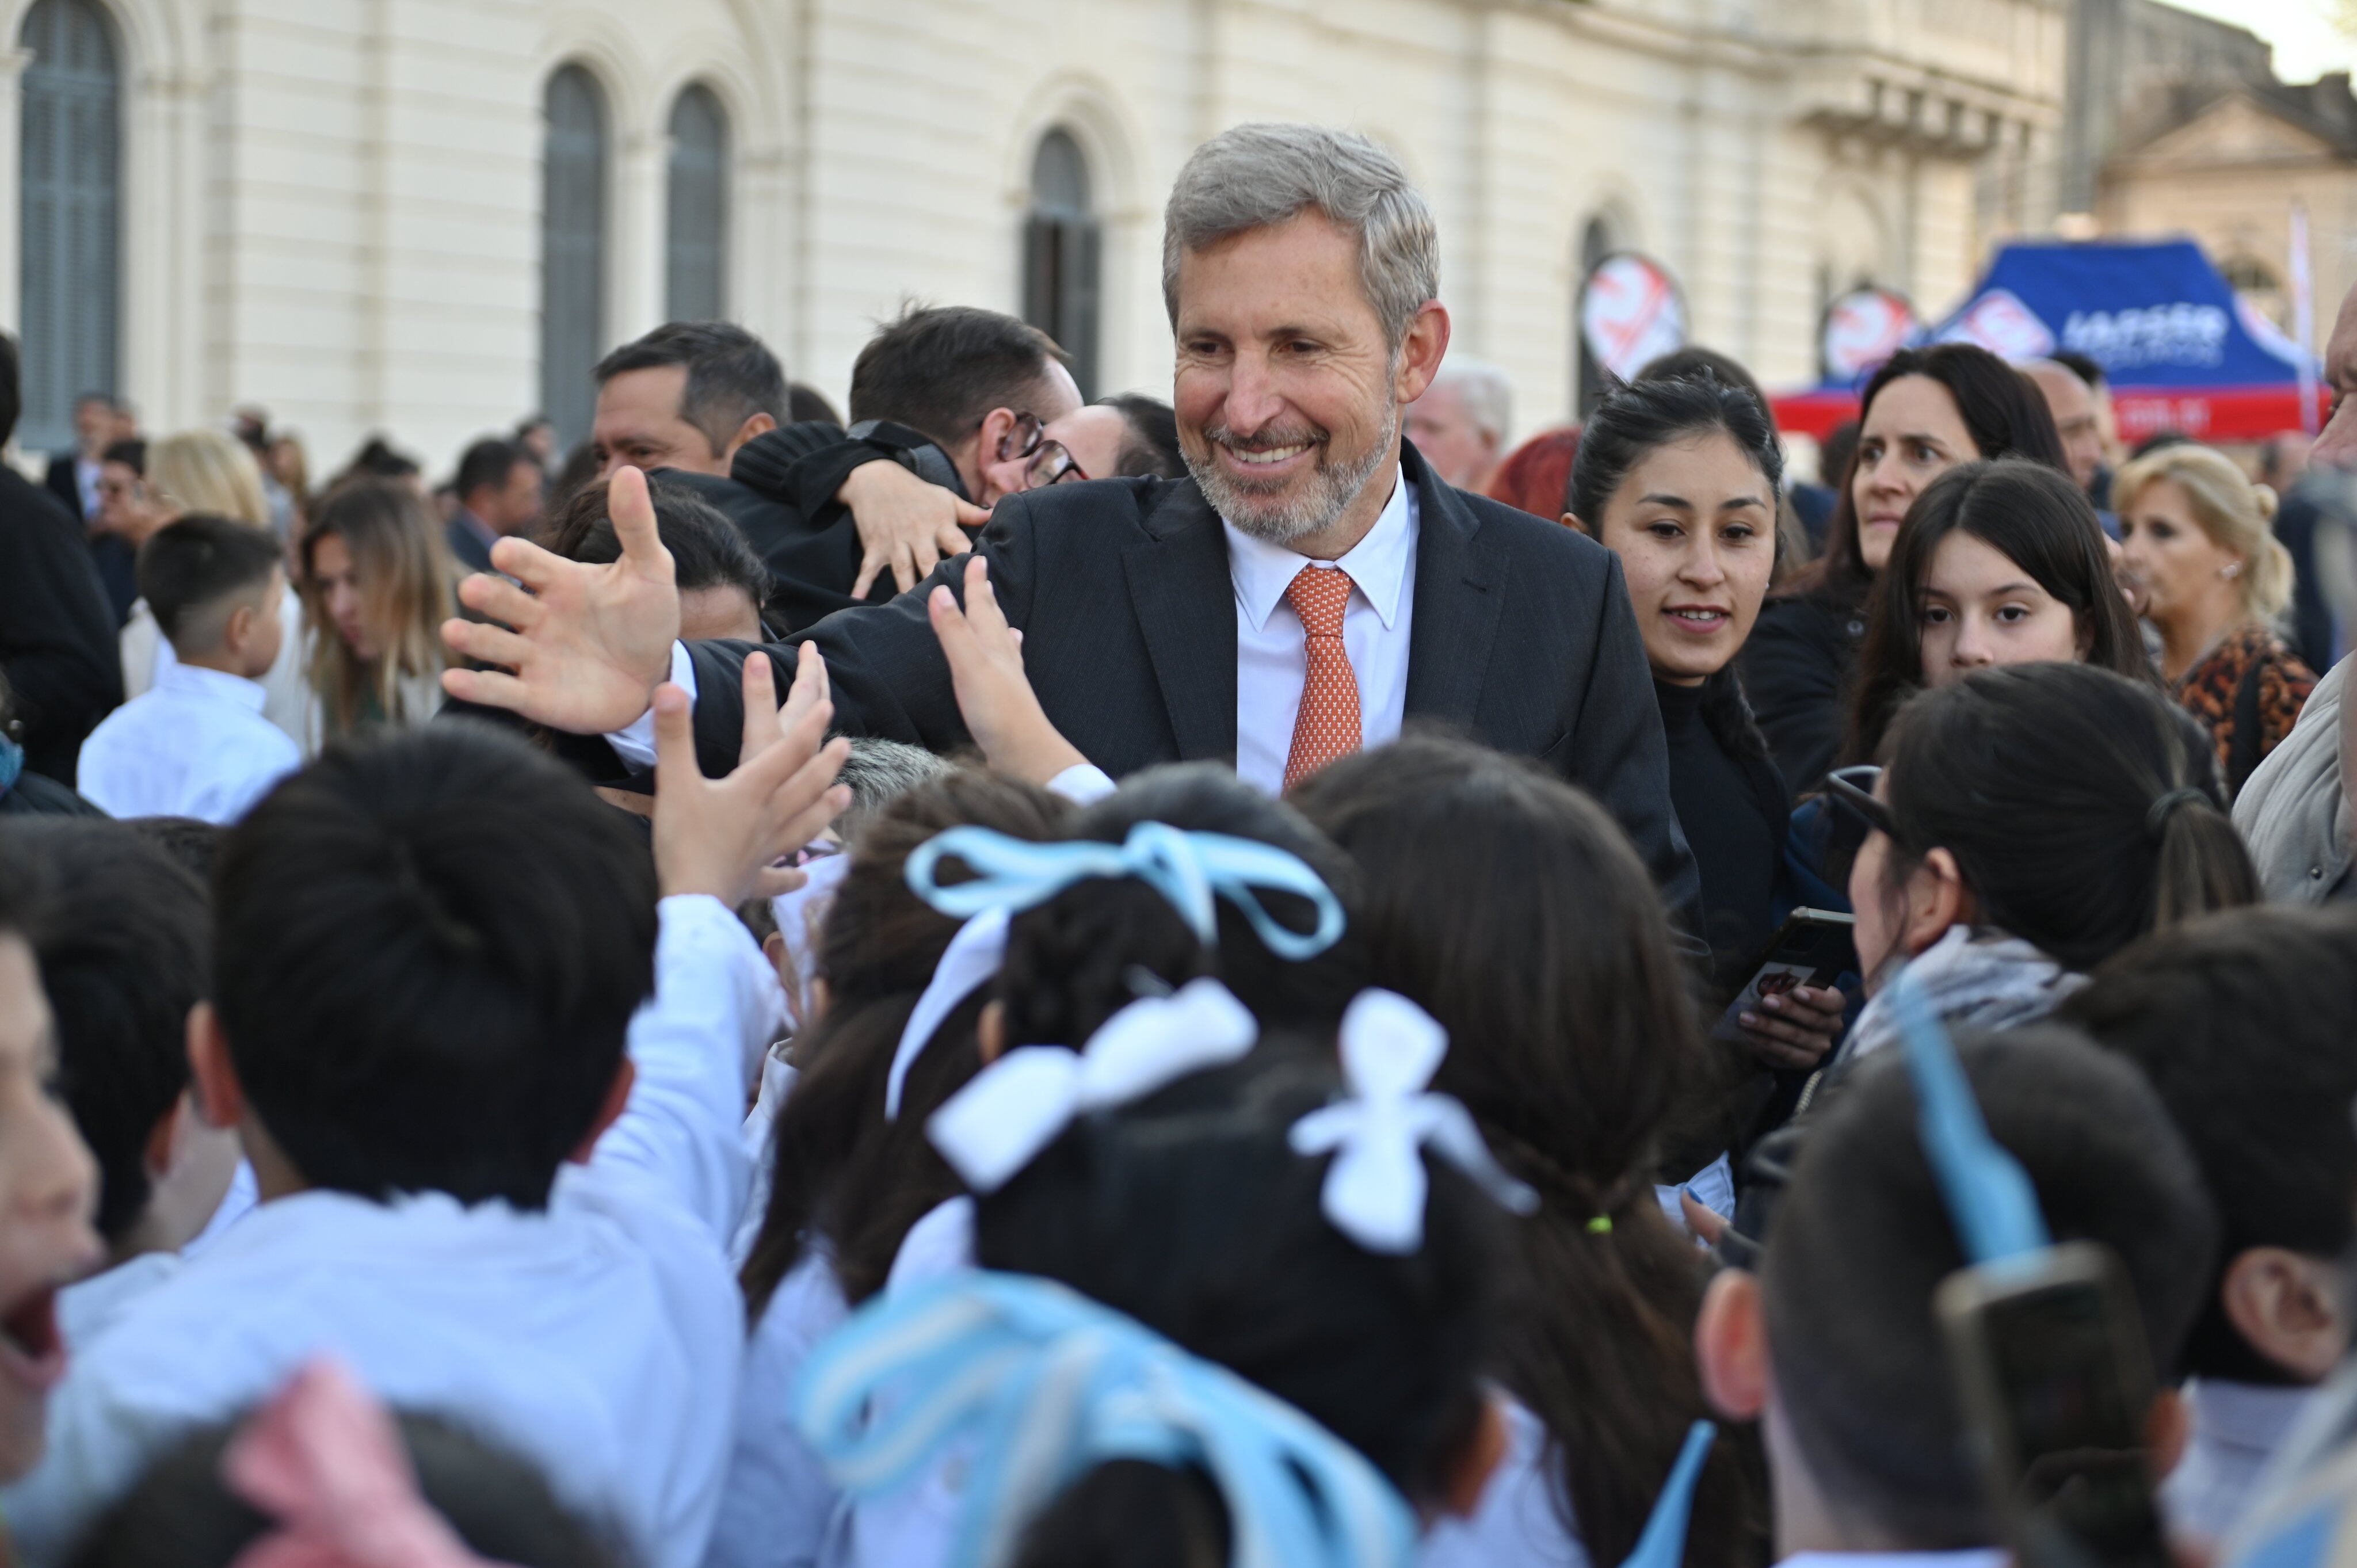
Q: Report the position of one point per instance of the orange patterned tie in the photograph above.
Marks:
(1327, 725)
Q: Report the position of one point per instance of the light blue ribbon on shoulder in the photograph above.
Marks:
(1663, 1542)
(1989, 1197)
(1050, 1384)
(1190, 869)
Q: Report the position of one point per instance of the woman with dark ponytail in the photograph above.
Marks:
(1679, 477)
(1575, 1048)
(2032, 820)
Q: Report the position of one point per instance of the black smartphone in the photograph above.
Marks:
(1812, 947)
(2056, 1386)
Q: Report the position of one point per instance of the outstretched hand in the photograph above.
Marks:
(906, 524)
(727, 836)
(993, 692)
(587, 642)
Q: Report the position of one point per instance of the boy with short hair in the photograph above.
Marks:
(123, 939)
(195, 744)
(2246, 1024)
(1834, 1344)
(494, 1185)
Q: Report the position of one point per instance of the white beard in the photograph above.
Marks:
(1282, 519)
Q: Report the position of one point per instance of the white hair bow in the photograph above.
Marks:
(995, 1125)
(1376, 1188)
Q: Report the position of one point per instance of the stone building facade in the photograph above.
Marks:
(427, 216)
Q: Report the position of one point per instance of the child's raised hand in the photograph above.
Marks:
(726, 836)
(993, 692)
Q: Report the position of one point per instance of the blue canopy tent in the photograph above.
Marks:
(2182, 352)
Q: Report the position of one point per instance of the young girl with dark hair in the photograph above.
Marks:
(1923, 412)
(2032, 820)
(1575, 1046)
(855, 1175)
(1999, 563)
(1679, 477)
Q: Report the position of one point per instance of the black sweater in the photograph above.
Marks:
(57, 634)
(1796, 670)
(1735, 813)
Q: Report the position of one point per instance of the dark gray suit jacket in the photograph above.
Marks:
(1521, 636)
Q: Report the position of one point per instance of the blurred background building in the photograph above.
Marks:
(430, 216)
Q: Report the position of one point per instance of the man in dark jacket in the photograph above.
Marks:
(56, 635)
(1310, 589)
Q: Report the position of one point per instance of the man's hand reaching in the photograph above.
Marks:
(727, 836)
(587, 643)
(904, 524)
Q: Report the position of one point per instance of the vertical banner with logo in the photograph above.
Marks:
(1630, 312)
(1860, 331)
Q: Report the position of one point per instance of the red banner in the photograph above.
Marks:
(2205, 413)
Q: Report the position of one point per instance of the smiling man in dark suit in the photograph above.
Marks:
(1310, 586)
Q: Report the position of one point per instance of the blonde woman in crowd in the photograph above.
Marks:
(2195, 536)
(376, 588)
(211, 473)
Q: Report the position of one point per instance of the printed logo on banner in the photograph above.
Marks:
(2000, 323)
(1631, 314)
(2177, 334)
(1862, 328)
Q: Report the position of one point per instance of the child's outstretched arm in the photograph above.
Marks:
(696, 1044)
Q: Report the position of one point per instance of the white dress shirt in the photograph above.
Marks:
(1272, 651)
(1273, 657)
(146, 657)
(194, 745)
(1523, 1521)
(598, 1338)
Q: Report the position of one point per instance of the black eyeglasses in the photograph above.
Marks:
(1852, 789)
(1050, 462)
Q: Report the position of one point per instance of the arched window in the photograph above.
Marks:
(1595, 242)
(572, 251)
(1062, 239)
(696, 221)
(69, 187)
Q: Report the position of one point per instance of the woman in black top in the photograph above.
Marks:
(1678, 477)
(1922, 414)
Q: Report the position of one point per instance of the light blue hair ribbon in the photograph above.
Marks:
(1990, 1201)
(1663, 1542)
(1050, 1384)
(1190, 869)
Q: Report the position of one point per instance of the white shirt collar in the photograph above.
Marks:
(217, 685)
(1970, 1557)
(1377, 563)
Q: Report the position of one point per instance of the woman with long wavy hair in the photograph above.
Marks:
(376, 588)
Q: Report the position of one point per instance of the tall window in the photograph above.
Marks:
(70, 190)
(1595, 242)
(696, 224)
(1061, 240)
(572, 251)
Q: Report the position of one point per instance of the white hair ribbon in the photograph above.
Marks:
(972, 956)
(1375, 1189)
(1017, 1106)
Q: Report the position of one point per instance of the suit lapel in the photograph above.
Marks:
(1186, 604)
(1459, 593)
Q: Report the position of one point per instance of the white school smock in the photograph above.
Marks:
(1521, 1520)
(776, 1502)
(598, 1338)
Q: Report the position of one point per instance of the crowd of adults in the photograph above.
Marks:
(1263, 978)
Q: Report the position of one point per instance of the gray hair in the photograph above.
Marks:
(879, 772)
(1255, 175)
(1482, 390)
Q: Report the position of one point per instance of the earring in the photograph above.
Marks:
(2231, 570)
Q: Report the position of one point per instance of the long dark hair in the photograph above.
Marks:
(840, 1169)
(2051, 785)
(1509, 905)
(2033, 516)
(2003, 413)
(1191, 1212)
(1636, 420)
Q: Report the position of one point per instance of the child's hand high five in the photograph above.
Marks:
(726, 836)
